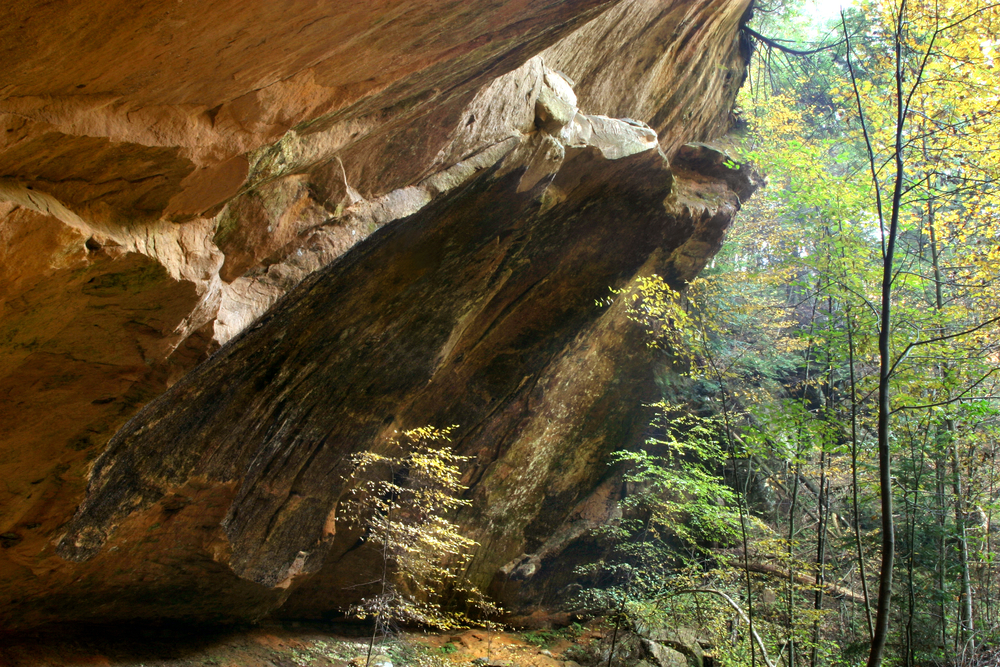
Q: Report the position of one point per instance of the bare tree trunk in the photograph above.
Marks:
(988, 594)
(942, 554)
(820, 555)
(910, 509)
(889, 237)
(965, 631)
(791, 565)
(386, 538)
(854, 478)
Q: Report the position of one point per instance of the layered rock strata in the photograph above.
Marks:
(423, 169)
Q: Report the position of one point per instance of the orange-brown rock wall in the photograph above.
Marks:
(168, 171)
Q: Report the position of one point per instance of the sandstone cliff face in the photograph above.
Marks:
(429, 172)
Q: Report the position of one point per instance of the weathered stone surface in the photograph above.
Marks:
(479, 311)
(664, 656)
(117, 119)
(168, 172)
(669, 73)
(667, 644)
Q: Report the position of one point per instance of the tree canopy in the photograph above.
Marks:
(847, 337)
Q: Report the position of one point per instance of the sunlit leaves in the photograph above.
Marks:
(403, 504)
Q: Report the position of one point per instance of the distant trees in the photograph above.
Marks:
(938, 65)
(846, 340)
(825, 462)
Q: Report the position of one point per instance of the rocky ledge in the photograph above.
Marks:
(388, 216)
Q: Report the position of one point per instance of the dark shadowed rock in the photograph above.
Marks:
(479, 311)
(410, 199)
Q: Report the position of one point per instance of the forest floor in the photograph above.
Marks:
(288, 645)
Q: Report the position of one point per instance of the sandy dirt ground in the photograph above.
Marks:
(286, 645)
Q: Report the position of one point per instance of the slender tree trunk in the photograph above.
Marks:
(910, 509)
(625, 593)
(911, 600)
(614, 634)
(966, 629)
(386, 554)
(942, 506)
(823, 508)
(854, 477)
(940, 467)
(791, 565)
(744, 507)
(741, 499)
(965, 626)
(799, 454)
(884, 607)
(820, 555)
(988, 594)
